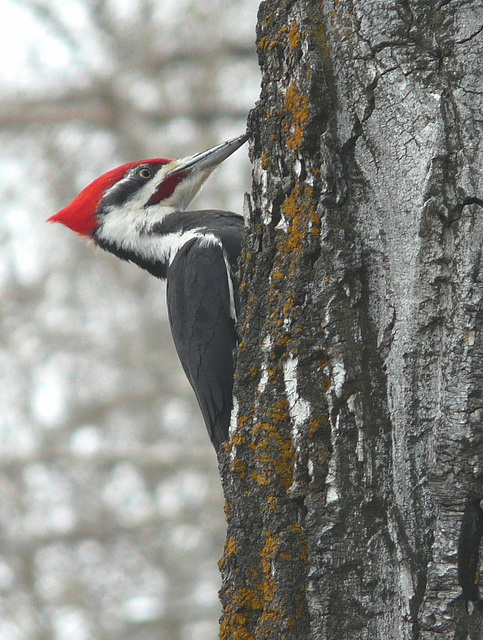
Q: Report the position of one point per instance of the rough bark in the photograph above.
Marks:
(355, 468)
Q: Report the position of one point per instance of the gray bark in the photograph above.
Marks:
(357, 442)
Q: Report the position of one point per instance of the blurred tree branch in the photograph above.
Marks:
(100, 107)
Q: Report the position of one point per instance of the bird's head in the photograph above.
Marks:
(141, 193)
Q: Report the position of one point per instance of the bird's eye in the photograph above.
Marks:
(145, 173)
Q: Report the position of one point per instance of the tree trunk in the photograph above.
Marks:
(354, 474)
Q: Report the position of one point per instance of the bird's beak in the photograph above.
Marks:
(182, 179)
(209, 159)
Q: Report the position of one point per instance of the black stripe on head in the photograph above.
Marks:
(126, 188)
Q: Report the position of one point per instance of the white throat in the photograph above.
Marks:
(131, 231)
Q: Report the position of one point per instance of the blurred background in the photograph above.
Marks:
(111, 512)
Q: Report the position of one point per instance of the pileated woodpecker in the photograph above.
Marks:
(137, 212)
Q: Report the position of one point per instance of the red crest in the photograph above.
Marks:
(79, 215)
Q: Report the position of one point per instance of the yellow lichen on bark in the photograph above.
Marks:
(293, 35)
(240, 467)
(297, 105)
(267, 555)
(257, 599)
(298, 209)
(274, 455)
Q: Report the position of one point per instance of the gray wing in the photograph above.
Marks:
(204, 334)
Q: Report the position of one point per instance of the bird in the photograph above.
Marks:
(138, 213)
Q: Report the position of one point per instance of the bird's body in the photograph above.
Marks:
(137, 213)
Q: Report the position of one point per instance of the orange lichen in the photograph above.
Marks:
(253, 610)
(267, 555)
(299, 211)
(248, 599)
(279, 412)
(288, 305)
(237, 438)
(240, 467)
(226, 510)
(272, 374)
(234, 627)
(314, 427)
(293, 35)
(259, 478)
(254, 371)
(272, 504)
(297, 105)
(274, 453)
(282, 340)
(277, 275)
(230, 547)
